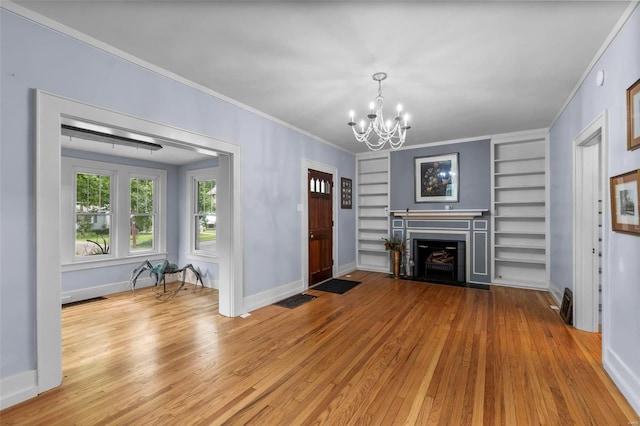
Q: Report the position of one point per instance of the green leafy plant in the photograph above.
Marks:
(393, 244)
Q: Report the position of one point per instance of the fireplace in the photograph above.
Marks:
(439, 261)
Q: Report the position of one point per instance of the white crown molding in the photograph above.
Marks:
(107, 48)
(612, 35)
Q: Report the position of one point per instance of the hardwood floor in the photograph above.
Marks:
(386, 352)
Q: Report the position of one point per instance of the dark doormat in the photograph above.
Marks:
(336, 285)
(295, 300)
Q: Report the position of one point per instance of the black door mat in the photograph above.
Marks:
(336, 285)
(295, 300)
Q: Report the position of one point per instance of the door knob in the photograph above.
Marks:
(311, 236)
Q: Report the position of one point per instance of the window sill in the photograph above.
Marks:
(101, 263)
(202, 257)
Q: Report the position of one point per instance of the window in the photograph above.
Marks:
(203, 208)
(142, 218)
(112, 212)
(92, 214)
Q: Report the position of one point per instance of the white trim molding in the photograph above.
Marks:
(18, 388)
(50, 109)
(623, 377)
(272, 295)
(585, 299)
(463, 214)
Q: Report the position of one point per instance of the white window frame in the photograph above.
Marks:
(193, 177)
(154, 214)
(112, 206)
(120, 213)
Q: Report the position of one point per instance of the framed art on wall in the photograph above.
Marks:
(624, 202)
(346, 193)
(633, 116)
(436, 178)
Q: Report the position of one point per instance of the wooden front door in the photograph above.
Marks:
(320, 194)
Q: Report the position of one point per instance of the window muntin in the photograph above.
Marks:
(142, 217)
(92, 214)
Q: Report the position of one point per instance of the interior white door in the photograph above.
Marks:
(586, 283)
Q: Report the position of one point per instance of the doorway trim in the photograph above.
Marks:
(585, 300)
(49, 110)
(304, 217)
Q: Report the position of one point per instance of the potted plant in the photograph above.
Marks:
(396, 246)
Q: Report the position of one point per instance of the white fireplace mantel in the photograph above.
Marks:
(461, 214)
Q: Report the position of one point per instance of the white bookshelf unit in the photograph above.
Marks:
(519, 209)
(372, 204)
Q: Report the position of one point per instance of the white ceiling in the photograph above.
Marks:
(460, 69)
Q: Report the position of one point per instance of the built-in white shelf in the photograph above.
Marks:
(539, 262)
(372, 201)
(518, 159)
(519, 243)
(520, 173)
(519, 187)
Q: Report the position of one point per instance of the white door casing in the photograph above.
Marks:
(588, 188)
(49, 110)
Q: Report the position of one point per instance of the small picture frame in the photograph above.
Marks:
(346, 193)
(624, 190)
(633, 116)
(436, 178)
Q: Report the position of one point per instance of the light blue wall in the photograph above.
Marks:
(34, 56)
(621, 335)
(474, 161)
(475, 176)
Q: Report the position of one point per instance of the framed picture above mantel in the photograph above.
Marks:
(436, 178)
(625, 189)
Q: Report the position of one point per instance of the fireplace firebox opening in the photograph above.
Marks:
(440, 261)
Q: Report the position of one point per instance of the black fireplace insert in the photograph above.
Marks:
(439, 261)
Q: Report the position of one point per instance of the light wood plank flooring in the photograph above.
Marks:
(386, 352)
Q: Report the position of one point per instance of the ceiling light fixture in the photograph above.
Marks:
(96, 136)
(378, 132)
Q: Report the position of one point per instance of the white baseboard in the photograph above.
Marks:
(267, 297)
(370, 268)
(623, 377)
(18, 388)
(346, 269)
(556, 293)
(103, 290)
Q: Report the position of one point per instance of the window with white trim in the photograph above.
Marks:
(115, 211)
(142, 217)
(202, 207)
(92, 213)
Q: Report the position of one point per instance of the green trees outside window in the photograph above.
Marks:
(205, 214)
(93, 214)
(142, 214)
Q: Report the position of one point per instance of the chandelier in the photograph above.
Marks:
(378, 132)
